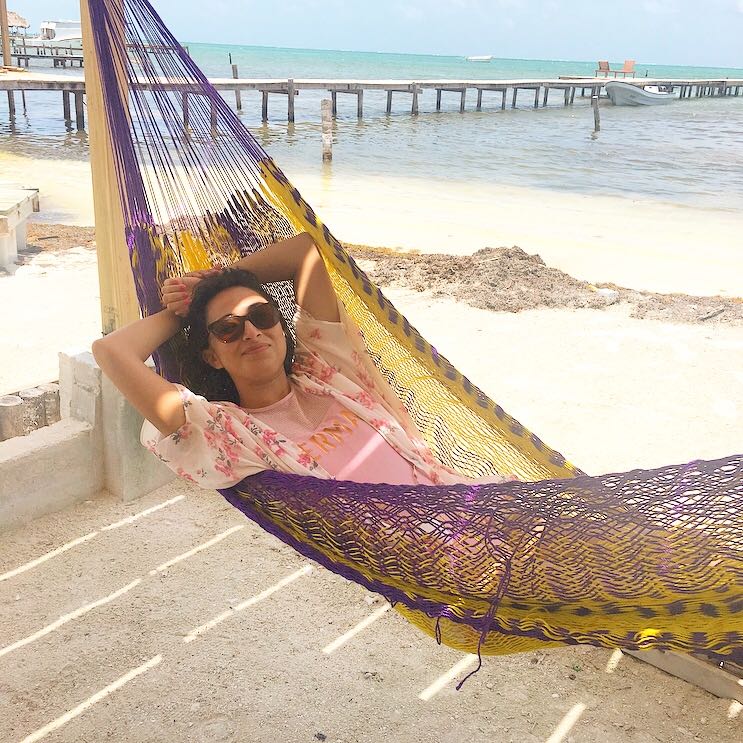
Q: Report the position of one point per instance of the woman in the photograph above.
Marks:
(319, 409)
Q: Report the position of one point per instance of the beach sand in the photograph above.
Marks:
(639, 244)
(645, 381)
(612, 391)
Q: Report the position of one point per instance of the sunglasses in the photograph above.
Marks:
(230, 328)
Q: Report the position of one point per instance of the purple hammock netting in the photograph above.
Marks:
(637, 560)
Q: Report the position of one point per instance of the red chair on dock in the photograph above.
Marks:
(603, 70)
(628, 69)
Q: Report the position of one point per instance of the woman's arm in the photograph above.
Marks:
(296, 259)
(122, 355)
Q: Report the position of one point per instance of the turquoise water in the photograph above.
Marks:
(689, 152)
(257, 61)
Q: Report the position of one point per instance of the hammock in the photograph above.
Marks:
(637, 560)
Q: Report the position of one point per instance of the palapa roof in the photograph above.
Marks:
(16, 20)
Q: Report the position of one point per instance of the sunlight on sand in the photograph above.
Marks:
(191, 636)
(90, 701)
(445, 678)
(566, 724)
(362, 625)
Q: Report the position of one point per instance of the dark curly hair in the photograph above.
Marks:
(196, 374)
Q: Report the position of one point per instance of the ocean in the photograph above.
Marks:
(688, 153)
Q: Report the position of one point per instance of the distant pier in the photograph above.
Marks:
(507, 91)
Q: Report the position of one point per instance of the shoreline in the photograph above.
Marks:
(646, 246)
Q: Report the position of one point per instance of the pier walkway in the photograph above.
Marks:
(508, 90)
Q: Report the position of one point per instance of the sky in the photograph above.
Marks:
(682, 32)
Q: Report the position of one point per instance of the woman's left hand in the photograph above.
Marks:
(177, 291)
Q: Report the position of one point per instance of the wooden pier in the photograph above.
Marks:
(507, 91)
(59, 56)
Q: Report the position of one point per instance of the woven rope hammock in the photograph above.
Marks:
(638, 560)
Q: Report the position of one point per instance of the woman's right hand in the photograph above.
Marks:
(177, 291)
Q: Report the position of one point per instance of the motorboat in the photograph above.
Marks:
(480, 58)
(627, 94)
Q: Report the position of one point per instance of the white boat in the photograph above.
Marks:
(626, 94)
(481, 58)
(53, 34)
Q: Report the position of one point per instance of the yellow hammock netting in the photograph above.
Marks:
(634, 560)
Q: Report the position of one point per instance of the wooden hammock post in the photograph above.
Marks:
(7, 60)
(118, 298)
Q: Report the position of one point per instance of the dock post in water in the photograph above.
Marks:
(326, 114)
(414, 106)
(503, 99)
(389, 101)
(479, 99)
(334, 102)
(438, 99)
(66, 107)
(515, 93)
(536, 97)
(79, 111)
(238, 96)
(360, 103)
(596, 114)
(264, 106)
(290, 96)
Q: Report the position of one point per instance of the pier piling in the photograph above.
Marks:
(238, 95)
(326, 115)
(79, 111)
(290, 100)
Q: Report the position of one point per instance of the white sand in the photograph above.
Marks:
(642, 245)
(610, 392)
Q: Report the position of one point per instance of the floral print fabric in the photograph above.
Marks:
(221, 443)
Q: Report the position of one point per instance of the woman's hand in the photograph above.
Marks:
(177, 292)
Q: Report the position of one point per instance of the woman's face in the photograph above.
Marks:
(257, 355)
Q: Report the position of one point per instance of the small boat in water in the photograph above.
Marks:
(626, 94)
(481, 58)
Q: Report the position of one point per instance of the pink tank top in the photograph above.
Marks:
(343, 444)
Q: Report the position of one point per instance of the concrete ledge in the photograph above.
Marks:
(47, 470)
(130, 470)
(94, 447)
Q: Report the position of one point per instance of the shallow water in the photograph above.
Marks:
(689, 152)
